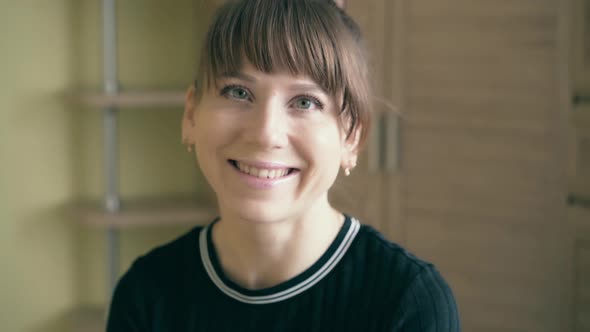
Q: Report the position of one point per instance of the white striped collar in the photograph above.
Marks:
(315, 273)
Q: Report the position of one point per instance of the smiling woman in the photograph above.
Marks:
(282, 106)
(270, 145)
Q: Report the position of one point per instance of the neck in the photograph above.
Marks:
(258, 255)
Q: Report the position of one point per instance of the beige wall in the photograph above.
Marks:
(50, 150)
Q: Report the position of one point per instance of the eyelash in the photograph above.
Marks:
(227, 88)
(314, 100)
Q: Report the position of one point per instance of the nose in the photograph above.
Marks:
(268, 126)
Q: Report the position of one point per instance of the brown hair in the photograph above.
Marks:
(303, 37)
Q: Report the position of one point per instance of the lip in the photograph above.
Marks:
(261, 183)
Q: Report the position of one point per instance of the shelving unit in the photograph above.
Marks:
(113, 213)
(147, 212)
(131, 99)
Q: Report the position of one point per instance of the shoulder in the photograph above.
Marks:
(168, 257)
(427, 304)
(158, 271)
(376, 249)
(419, 297)
(149, 279)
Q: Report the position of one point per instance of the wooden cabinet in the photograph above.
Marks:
(580, 69)
(366, 193)
(580, 217)
(579, 186)
(482, 88)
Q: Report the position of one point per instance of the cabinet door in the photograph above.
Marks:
(580, 218)
(361, 194)
(484, 158)
(580, 64)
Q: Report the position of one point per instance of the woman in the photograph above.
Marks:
(282, 105)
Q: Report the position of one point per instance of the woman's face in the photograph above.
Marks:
(270, 145)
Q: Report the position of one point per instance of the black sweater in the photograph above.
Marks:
(361, 283)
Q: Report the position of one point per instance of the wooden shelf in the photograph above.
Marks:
(139, 99)
(146, 212)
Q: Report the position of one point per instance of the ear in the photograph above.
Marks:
(188, 121)
(351, 149)
(340, 3)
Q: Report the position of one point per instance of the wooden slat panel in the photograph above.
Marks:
(446, 237)
(429, 141)
(484, 177)
(484, 7)
(478, 39)
(582, 294)
(492, 178)
(495, 264)
(476, 52)
(497, 115)
(497, 79)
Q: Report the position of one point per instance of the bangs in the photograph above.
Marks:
(294, 36)
(312, 38)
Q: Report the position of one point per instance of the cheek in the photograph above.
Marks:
(323, 144)
(209, 129)
(207, 138)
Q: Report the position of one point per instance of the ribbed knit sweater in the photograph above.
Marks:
(362, 282)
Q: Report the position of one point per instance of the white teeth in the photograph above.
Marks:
(262, 173)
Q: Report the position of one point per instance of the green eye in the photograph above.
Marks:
(308, 103)
(304, 103)
(235, 92)
(238, 93)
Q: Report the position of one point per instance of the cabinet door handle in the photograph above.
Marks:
(392, 141)
(580, 201)
(374, 146)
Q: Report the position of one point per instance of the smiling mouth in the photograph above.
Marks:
(262, 173)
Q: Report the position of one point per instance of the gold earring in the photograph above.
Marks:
(347, 171)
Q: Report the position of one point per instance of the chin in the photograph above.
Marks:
(263, 215)
(260, 212)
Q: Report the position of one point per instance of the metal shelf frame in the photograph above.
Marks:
(111, 160)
